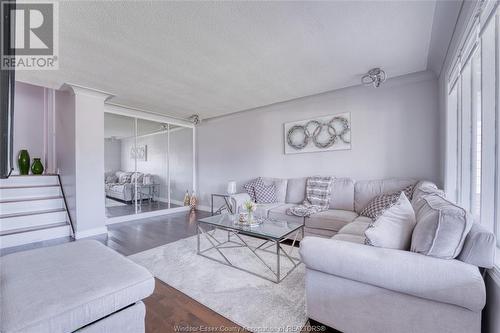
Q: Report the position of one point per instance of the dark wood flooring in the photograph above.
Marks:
(167, 309)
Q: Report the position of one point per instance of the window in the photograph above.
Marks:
(472, 175)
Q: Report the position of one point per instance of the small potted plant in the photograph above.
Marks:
(249, 207)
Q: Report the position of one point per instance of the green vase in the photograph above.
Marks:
(23, 161)
(37, 167)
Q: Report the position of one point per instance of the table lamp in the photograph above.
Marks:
(231, 187)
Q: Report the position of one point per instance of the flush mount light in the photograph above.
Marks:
(195, 119)
(374, 77)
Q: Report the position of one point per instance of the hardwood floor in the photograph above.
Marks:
(167, 309)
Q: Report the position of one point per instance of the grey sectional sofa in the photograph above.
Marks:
(348, 198)
(355, 287)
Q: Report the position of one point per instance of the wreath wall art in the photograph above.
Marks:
(318, 134)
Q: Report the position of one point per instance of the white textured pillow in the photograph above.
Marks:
(441, 229)
(393, 229)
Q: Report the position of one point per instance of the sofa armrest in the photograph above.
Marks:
(237, 201)
(441, 280)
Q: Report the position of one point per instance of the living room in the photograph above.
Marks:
(251, 166)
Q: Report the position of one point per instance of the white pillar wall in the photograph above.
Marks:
(89, 160)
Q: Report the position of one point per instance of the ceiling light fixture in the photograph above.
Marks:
(195, 119)
(374, 77)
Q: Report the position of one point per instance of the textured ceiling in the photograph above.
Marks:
(215, 58)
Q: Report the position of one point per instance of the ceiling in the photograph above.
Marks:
(215, 58)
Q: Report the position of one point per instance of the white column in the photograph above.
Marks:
(89, 160)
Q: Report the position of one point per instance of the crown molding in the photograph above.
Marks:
(76, 89)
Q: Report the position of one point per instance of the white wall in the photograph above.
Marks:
(29, 111)
(394, 134)
(112, 155)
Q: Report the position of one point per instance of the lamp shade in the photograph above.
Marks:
(231, 187)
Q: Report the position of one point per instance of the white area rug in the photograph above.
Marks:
(247, 300)
(114, 203)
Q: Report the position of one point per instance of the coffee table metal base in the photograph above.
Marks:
(239, 242)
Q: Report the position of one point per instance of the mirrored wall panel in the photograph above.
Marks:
(148, 165)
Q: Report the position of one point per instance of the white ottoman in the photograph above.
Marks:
(66, 287)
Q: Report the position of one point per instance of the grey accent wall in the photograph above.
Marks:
(394, 134)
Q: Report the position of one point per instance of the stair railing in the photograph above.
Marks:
(66, 205)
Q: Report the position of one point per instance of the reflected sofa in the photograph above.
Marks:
(121, 185)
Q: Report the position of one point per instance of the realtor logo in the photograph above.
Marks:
(34, 35)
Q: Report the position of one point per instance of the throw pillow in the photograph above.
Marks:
(424, 188)
(377, 205)
(249, 187)
(265, 194)
(111, 179)
(394, 227)
(125, 177)
(441, 227)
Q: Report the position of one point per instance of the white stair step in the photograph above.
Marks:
(33, 236)
(10, 193)
(32, 220)
(29, 181)
(30, 206)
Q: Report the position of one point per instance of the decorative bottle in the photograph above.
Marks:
(187, 199)
(193, 201)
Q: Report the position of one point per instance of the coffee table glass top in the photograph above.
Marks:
(274, 229)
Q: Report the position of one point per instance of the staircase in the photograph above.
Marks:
(32, 209)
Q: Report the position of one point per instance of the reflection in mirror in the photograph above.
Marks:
(149, 165)
(152, 166)
(119, 188)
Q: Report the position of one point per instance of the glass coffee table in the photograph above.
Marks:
(266, 238)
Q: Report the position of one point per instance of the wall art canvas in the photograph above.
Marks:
(318, 134)
(139, 152)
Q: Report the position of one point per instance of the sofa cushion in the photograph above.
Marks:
(279, 212)
(281, 187)
(265, 194)
(65, 287)
(393, 229)
(262, 210)
(296, 190)
(360, 239)
(356, 227)
(365, 191)
(323, 233)
(441, 227)
(479, 247)
(342, 196)
(331, 219)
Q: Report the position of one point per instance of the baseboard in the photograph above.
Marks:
(90, 232)
(181, 203)
(133, 217)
